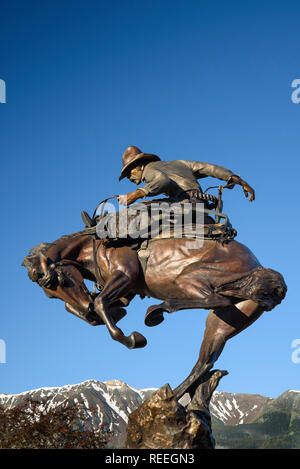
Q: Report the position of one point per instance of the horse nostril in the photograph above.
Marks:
(33, 275)
(279, 292)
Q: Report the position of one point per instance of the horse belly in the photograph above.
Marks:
(212, 264)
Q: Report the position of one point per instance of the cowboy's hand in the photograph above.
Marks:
(128, 199)
(246, 188)
(122, 199)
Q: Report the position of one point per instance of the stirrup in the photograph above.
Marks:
(87, 220)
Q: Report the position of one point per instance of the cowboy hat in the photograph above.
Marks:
(132, 157)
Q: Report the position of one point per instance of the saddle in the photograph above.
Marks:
(211, 229)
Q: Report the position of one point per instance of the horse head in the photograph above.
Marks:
(36, 262)
(38, 269)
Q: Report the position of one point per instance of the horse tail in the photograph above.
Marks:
(263, 285)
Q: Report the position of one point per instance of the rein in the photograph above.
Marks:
(98, 284)
(92, 231)
(103, 202)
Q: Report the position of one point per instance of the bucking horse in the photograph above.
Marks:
(225, 278)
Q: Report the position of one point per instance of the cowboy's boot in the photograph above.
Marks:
(87, 220)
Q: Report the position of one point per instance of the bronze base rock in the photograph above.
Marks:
(161, 422)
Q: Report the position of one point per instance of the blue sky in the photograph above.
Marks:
(207, 81)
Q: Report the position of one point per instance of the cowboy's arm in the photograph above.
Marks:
(201, 170)
(157, 182)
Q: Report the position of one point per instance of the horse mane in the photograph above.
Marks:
(72, 235)
(34, 254)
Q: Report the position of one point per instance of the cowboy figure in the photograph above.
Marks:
(176, 179)
(172, 178)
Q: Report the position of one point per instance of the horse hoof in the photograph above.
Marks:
(137, 340)
(154, 316)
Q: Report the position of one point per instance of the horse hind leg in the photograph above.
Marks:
(194, 293)
(221, 325)
(155, 316)
(264, 289)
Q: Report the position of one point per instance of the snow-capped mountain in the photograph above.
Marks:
(109, 404)
(277, 426)
(237, 409)
(105, 404)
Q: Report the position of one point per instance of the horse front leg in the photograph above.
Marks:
(93, 319)
(116, 286)
(221, 325)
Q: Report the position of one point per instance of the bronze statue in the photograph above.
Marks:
(224, 277)
(221, 275)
